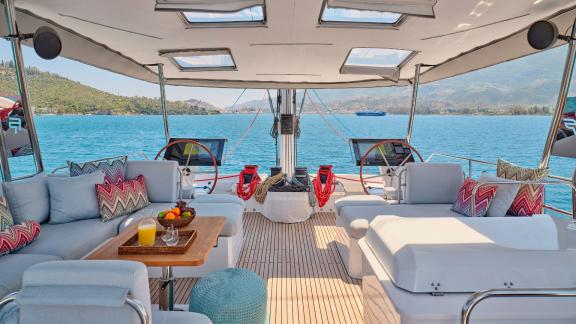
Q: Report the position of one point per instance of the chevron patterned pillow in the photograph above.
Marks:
(530, 198)
(529, 201)
(18, 236)
(121, 198)
(114, 170)
(6, 220)
(484, 196)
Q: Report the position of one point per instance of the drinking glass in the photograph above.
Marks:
(171, 236)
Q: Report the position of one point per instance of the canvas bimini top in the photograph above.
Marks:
(292, 43)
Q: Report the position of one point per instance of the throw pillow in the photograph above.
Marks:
(74, 198)
(18, 236)
(122, 198)
(483, 197)
(6, 220)
(114, 170)
(525, 195)
(529, 201)
(28, 199)
(505, 195)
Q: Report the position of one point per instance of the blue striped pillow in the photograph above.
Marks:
(114, 170)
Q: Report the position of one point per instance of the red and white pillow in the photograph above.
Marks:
(121, 198)
(529, 201)
(18, 236)
(483, 198)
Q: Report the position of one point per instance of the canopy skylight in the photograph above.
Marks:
(377, 57)
(339, 15)
(252, 14)
(201, 60)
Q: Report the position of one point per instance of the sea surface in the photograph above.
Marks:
(323, 140)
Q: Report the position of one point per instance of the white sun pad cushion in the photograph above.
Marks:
(471, 254)
(359, 200)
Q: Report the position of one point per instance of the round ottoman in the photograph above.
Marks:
(230, 296)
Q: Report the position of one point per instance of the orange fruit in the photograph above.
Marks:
(176, 211)
(170, 216)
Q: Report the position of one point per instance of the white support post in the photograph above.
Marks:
(415, 84)
(561, 102)
(287, 140)
(10, 13)
(163, 108)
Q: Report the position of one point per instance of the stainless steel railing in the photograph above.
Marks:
(561, 180)
(142, 154)
(478, 297)
(135, 304)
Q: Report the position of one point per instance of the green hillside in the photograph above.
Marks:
(51, 93)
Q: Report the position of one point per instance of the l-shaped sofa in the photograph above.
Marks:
(74, 240)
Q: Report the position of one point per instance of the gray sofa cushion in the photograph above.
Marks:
(232, 211)
(505, 195)
(74, 198)
(356, 219)
(159, 317)
(433, 183)
(162, 178)
(28, 199)
(12, 267)
(74, 240)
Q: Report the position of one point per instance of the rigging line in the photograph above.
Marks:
(334, 130)
(247, 131)
(274, 128)
(350, 132)
(237, 99)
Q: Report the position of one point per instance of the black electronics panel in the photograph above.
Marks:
(286, 124)
(193, 155)
(395, 153)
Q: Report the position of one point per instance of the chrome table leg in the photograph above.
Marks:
(166, 295)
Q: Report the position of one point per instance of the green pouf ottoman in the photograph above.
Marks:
(230, 296)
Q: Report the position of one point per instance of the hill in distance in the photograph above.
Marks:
(527, 85)
(53, 94)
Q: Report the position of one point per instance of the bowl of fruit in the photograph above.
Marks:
(179, 216)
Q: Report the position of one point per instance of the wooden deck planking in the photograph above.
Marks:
(306, 279)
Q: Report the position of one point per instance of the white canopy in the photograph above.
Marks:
(291, 48)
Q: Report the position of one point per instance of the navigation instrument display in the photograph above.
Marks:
(193, 155)
(394, 153)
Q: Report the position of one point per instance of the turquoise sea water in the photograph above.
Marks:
(519, 139)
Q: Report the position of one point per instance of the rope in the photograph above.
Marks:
(334, 130)
(246, 190)
(237, 99)
(274, 129)
(246, 132)
(324, 190)
(262, 190)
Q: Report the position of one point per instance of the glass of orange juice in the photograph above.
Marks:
(147, 232)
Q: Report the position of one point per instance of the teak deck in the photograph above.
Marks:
(306, 279)
(208, 229)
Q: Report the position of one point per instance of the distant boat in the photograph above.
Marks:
(371, 113)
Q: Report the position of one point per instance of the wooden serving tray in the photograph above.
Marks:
(186, 237)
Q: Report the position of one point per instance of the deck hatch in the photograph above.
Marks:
(334, 15)
(201, 59)
(384, 62)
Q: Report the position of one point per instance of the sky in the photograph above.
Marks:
(125, 86)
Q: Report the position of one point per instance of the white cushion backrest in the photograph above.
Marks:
(162, 178)
(433, 183)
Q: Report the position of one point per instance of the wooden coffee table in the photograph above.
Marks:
(208, 230)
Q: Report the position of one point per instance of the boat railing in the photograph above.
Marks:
(138, 154)
(478, 297)
(557, 180)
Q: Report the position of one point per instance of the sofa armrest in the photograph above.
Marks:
(162, 179)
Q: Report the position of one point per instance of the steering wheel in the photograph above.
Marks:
(389, 141)
(214, 162)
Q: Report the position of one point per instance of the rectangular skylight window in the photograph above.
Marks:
(342, 15)
(252, 14)
(377, 57)
(202, 60)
